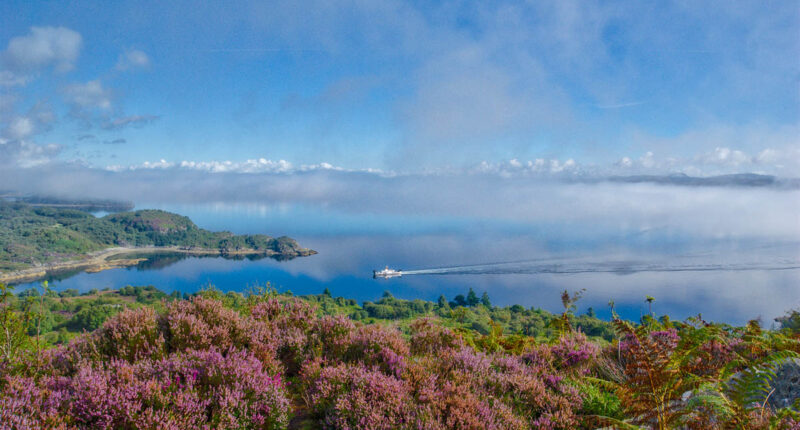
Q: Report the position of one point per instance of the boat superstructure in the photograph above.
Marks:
(386, 273)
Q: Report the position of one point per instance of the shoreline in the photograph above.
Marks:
(99, 260)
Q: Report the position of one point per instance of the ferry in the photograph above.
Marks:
(386, 273)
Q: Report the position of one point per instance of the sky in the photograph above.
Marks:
(401, 88)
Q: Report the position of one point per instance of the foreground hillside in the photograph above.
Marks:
(34, 235)
(272, 361)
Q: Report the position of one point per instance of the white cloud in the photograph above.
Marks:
(249, 166)
(43, 47)
(725, 156)
(19, 128)
(20, 153)
(538, 168)
(160, 164)
(133, 59)
(90, 95)
(256, 165)
(717, 162)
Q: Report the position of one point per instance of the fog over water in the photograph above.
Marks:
(709, 251)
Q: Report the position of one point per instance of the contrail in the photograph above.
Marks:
(553, 266)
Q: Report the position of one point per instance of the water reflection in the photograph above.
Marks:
(344, 265)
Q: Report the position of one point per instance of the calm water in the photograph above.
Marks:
(726, 280)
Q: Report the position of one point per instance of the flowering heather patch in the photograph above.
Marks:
(329, 336)
(191, 390)
(355, 397)
(199, 364)
(202, 323)
(132, 335)
(374, 345)
(289, 321)
(428, 337)
(574, 352)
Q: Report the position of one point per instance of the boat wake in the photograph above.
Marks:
(621, 267)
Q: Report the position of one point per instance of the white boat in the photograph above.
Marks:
(386, 273)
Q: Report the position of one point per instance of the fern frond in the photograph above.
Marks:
(609, 385)
(707, 396)
(752, 385)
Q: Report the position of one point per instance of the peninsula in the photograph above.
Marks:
(37, 240)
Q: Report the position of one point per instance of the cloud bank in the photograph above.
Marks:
(566, 207)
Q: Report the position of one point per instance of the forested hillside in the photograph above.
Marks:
(34, 235)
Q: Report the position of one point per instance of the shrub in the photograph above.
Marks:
(130, 335)
(201, 323)
(197, 389)
(354, 397)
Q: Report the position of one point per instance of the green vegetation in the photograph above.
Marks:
(60, 316)
(269, 360)
(33, 235)
(68, 313)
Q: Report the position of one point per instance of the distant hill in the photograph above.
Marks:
(36, 235)
(88, 205)
(733, 180)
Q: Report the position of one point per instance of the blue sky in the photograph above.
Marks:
(611, 87)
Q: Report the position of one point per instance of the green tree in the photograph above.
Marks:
(790, 321)
(485, 300)
(472, 298)
(92, 318)
(442, 303)
(12, 326)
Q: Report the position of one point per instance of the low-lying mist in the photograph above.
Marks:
(582, 208)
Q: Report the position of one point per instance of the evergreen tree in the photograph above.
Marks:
(443, 302)
(472, 298)
(485, 300)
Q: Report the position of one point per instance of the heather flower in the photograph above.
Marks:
(289, 321)
(192, 390)
(667, 339)
(329, 336)
(201, 323)
(130, 335)
(263, 342)
(428, 337)
(377, 345)
(354, 397)
(574, 352)
(23, 404)
(285, 313)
